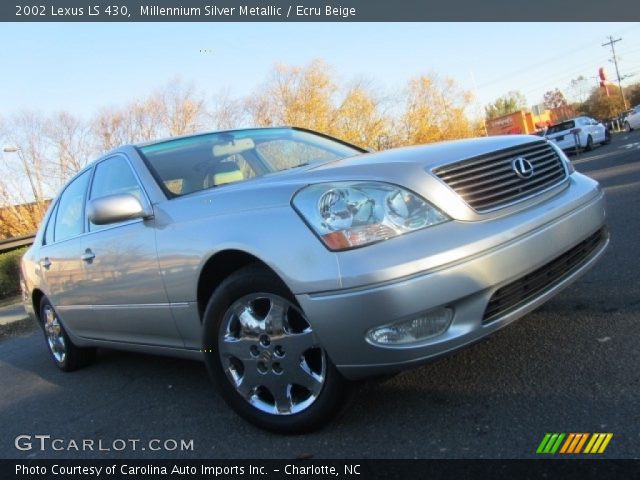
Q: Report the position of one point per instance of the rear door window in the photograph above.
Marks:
(70, 214)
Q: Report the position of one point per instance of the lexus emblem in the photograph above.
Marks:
(522, 167)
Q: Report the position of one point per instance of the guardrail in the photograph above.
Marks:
(9, 244)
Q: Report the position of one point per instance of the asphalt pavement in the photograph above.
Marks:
(570, 366)
(11, 313)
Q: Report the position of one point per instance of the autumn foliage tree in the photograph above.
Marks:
(301, 96)
(359, 119)
(27, 173)
(602, 106)
(435, 110)
(51, 148)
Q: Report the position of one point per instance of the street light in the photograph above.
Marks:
(16, 149)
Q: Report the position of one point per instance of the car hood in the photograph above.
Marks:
(432, 155)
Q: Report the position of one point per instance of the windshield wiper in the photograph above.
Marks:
(298, 166)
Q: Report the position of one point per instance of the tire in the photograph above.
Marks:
(264, 357)
(607, 138)
(589, 146)
(627, 127)
(67, 356)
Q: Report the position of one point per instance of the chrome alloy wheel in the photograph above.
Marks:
(270, 354)
(53, 332)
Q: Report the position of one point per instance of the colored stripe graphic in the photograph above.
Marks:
(550, 443)
(543, 443)
(574, 443)
(581, 443)
(597, 443)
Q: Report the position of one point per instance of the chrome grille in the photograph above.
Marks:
(489, 181)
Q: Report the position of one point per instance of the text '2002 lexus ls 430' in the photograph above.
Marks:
(292, 263)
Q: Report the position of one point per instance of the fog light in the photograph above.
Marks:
(427, 325)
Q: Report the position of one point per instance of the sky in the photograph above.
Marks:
(83, 67)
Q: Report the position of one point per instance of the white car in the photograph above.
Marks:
(633, 119)
(578, 133)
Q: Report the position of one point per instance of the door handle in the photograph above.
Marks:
(88, 256)
(45, 262)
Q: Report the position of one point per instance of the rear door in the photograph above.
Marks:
(122, 277)
(61, 259)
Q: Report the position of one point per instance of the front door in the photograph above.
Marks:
(122, 276)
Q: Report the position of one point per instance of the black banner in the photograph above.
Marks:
(318, 469)
(315, 10)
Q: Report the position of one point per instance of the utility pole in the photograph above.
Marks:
(612, 43)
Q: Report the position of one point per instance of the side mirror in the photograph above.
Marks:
(115, 208)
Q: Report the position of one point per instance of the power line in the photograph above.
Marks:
(534, 66)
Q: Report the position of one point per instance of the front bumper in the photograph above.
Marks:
(342, 318)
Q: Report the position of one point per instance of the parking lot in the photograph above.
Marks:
(570, 366)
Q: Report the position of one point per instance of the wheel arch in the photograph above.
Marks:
(218, 267)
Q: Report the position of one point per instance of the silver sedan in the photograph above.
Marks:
(292, 263)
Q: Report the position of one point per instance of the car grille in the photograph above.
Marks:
(489, 181)
(521, 291)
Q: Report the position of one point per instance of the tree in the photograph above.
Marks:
(554, 99)
(180, 108)
(297, 96)
(632, 94)
(43, 151)
(26, 176)
(359, 120)
(579, 89)
(26, 152)
(70, 139)
(111, 128)
(435, 111)
(226, 112)
(604, 107)
(506, 104)
(175, 109)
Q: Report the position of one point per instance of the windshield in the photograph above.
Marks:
(560, 127)
(189, 164)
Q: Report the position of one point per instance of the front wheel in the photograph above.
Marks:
(264, 356)
(627, 127)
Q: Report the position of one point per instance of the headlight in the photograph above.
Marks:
(353, 214)
(563, 157)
